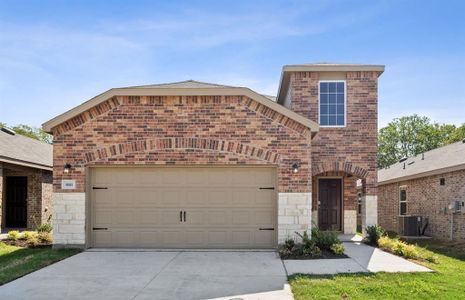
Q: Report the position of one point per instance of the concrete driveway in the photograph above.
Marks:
(156, 275)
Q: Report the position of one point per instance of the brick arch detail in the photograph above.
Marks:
(161, 144)
(338, 166)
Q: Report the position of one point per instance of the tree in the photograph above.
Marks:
(32, 132)
(411, 135)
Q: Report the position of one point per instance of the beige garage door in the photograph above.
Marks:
(189, 207)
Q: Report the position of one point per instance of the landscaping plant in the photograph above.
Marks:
(338, 249)
(374, 233)
(13, 235)
(28, 234)
(324, 239)
(46, 227)
(45, 237)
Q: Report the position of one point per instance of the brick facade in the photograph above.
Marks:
(39, 193)
(187, 131)
(344, 151)
(427, 198)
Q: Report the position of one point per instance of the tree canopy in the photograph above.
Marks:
(411, 135)
(30, 131)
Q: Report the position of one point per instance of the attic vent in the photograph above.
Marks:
(8, 130)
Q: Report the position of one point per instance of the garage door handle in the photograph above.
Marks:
(99, 228)
(266, 229)
(180, 216)
(99, 188)
(184, 216)
(267, 188)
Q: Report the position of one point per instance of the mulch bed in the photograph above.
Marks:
(324, 255)
(24, 244)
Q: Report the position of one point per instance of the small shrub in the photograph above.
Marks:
(33, 241)
(13, 235)
(28, 234)
(311, 250)
(410, 251)
(46, 227)
(45, 237)
(387, 243)
(374, 233)
(324, 239)
(338, 249)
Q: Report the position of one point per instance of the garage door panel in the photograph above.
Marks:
(242, 238)
(264, 217)
(224, 206)
(218, 218)
(148, 217)
(195, 238)
(241, 217)
(103, 217)
(217, 238)
(218, 197)
(170, 217)
(264, 237)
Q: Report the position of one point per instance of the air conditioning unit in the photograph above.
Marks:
(410, 225)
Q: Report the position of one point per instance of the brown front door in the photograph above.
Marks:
(329, 211)
(16, 202)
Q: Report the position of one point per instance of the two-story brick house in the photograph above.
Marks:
(198, 165)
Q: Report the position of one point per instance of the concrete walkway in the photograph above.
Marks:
(156, 275)
(362, 258)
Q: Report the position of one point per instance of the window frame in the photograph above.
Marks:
(345, 103)
(403, 188)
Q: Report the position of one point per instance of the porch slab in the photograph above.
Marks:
(362, 259)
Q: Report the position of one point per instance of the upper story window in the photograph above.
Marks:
(332, 103)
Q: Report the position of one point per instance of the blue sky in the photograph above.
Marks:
(55, 55)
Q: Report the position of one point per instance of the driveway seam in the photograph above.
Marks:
(156, 275)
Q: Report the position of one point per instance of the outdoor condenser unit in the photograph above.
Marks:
(410, 225)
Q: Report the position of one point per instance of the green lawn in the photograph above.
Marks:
(448, 282)
(16, 261)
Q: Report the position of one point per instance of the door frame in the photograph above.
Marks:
(341, 202)
(6, 201)
(89, 243)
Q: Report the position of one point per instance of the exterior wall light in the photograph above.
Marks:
(67, 168)
(295, 168)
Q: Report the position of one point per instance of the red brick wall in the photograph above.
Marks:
(39, 193)
(222, 130)
(427, 198)
(352, 148)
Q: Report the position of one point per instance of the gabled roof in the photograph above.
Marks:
(20, 150)
(319, 67)
(183, 88)
(438, 161)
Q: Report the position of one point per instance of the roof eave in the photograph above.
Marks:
(284, 80)
(423, 174)
(14, 161)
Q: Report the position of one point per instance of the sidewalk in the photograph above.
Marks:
(362, 259)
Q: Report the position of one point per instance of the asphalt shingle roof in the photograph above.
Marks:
(21, 149)
(441, 159)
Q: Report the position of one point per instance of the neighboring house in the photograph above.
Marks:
(25, 181)
(199, 165)
(426, 185)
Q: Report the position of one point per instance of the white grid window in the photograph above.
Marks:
(332, 103)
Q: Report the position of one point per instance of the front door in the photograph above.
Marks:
(16, 202)
(329, 211)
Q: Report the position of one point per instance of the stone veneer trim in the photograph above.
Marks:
(294, 214)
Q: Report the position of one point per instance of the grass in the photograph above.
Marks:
(17, 261)
(448, 282)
